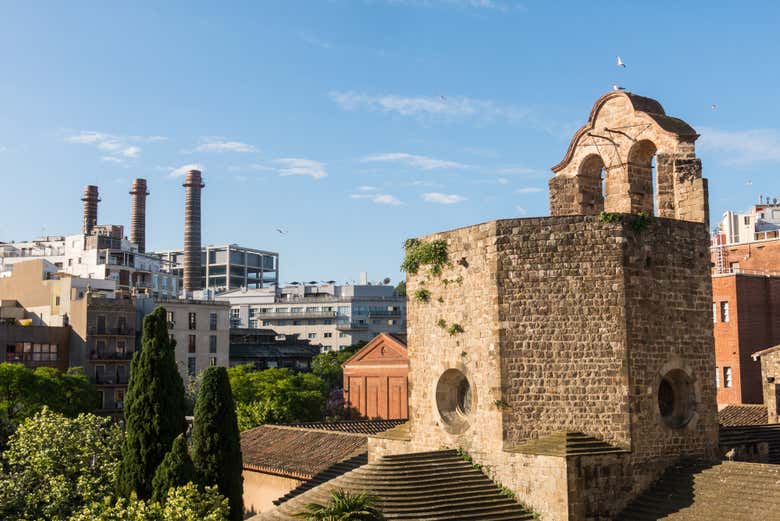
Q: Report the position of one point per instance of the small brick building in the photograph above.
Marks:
(375, 380)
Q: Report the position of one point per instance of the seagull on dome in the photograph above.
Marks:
(617, 87)
(620, 62)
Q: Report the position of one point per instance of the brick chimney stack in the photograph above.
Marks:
(90, 212)
(138, 214)
(192, 266)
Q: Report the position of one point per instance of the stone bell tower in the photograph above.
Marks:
(572, 356)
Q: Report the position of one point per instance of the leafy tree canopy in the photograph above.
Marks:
(185, 503)
(275, 396)
(56, 464)
(328, 365)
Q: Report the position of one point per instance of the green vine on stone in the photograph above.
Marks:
(609, 217)
(441, 323)
(501, 404)
(455, 329)
(420, 253)
(441, 300)
(422, 295)
(640, 221)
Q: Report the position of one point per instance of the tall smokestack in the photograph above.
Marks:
(192, 184)
(89, 216)
(138, 214)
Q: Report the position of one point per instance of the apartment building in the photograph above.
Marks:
(101, 320)
(746, 316)
(328, 315)
(31, 346)
(201, 329)
(228, 267)
(103, 253)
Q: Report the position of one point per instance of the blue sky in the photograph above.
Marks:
(354, 124)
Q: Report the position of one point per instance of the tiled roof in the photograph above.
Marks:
(734, 415)
(367, 427)
(297, 452)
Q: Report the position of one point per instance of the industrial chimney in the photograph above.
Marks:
(192, 184)
(138, 214)
(89, 217)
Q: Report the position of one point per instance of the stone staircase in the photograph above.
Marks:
(421, 486)
(696, 491)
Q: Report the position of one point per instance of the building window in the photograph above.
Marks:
(724, 311)
(343, 335)
(192, 344)
(235, 317)
(213, 344)
(171, 318)
(727, 381)
(121, 346)
(324, 349)
(212, 321)
(714, 311)
(193, 321)
(213, 361)
(101, 325)
(717, 376)
(56, 301)
(192, 368)
(328, 335)
(312, 335)
(747, 219)
(342, 348)
(121, 325)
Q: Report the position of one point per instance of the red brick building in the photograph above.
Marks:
(746, 312)
(758, 257)
(375, 380)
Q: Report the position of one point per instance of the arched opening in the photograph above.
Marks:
(592, 179)
(454, 400)
(676, 399)
(642, 182)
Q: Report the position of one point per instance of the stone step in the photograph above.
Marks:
(432, 486)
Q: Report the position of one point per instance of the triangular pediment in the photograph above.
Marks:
(383, 348)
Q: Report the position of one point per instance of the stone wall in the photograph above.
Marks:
(770, 376)
(568, 324)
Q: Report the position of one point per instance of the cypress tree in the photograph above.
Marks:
(216, 445)
(154, 408)
(175, 470)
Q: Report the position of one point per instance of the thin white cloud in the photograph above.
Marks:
(367, 188)
(423, 162)
(182, 170)
(529, 190)
(298, 166)
(222, 145)
(116, 147)
(519, 170)
(521, 211)
(503, 181)
(313, 40)
(379, 198)
(741, 147)
(440, 198)
(112, 159)
(454, 107)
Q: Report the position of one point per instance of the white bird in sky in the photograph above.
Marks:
(283, 232)
(443, 98)
(714, 106)
(615, 86)
(748, 183)
(620, 62)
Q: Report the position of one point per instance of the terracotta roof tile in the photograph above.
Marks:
(367, 427)
(737, 415)
(297, 452)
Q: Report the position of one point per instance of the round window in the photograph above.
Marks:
(676, 399)
(453, 400)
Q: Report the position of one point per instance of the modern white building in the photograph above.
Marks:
(761, 222)
(329, 315)
(103, 254)
(228, 267)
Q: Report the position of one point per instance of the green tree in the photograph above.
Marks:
(345, 506)
(275, 396)
(400, 289)
(185, 503)
(154, 408)
(56, 464)
(23, 392)
(175, 470)
(216, 445)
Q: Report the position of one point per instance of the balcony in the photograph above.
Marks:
(111, 331)
(303, 315)
(111, 406)
(385, 314)
(110, 379)
(111, 355)
(353, 326)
